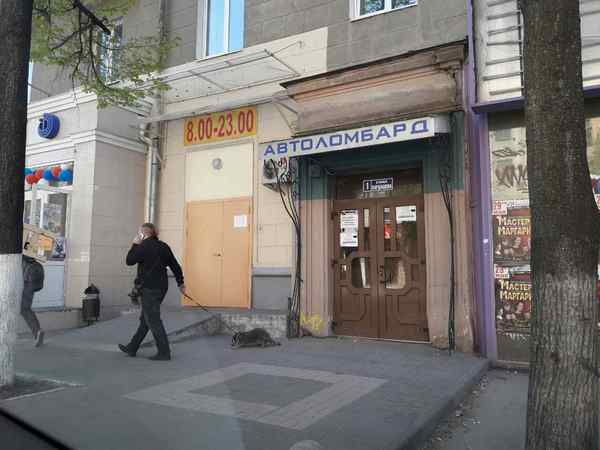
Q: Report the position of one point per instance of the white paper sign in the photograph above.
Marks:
(240, 221)
(349, 239)
(349, 219)
(406, 214)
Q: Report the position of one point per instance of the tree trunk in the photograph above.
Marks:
(15, 40)
(562, 410)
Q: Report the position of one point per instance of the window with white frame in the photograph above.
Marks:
(109, 46)
(370, 7)
(224, 26)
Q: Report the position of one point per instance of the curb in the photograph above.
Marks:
(426, 426)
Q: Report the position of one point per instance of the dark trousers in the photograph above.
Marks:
(150, 320)
(26, 312)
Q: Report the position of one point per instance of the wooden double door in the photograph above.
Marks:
(380, 271)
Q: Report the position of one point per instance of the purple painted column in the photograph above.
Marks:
(481, 197)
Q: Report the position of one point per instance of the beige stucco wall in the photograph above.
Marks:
(187, 175)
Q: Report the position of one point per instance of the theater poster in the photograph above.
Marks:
(513, 301)
(512, 232)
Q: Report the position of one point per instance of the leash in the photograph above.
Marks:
(213, 315)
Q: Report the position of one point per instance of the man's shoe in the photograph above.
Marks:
(126, 350)
(159, 357)
(39, 338)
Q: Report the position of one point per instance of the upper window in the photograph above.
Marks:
(224, 26)
(368, 7)
(109, 46)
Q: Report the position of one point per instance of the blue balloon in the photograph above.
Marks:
(48, 175)
(66, 175)
(28, 171)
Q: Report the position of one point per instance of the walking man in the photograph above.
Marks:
(33, 281)
(153, 257)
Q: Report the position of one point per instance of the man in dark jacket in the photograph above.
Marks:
(33, 281)
(153, 257)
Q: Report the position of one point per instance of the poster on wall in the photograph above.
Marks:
(512, 233)
(509, 165)
(513, 300)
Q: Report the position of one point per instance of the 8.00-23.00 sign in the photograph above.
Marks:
(220, 126)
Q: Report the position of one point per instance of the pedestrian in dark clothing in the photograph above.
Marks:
(153, 257)
(33, 281)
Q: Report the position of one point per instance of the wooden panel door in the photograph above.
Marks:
(401, 269)
(355, 282)
(236, 253)
(203, 262)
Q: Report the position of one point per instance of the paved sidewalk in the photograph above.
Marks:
(493, 418)
(342, 394)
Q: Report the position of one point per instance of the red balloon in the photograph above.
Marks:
(39, 174)
(31, 179)
(55, 171)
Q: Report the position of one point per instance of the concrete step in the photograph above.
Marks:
(52, 319)
(179, 325)
(233, 320)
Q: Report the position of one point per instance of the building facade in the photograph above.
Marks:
(313, 159)
(499, 172)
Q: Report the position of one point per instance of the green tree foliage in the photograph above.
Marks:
(120, 67)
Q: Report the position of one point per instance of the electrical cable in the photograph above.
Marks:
(446, 178)
(289, 199)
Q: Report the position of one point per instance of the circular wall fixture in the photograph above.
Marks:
(49, 126)
(217, 163)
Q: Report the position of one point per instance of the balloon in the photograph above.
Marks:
(28, 171)
(48, 175)
(43, 182)
(66, 175)
(55, 171)
(31, 179)
(39, 174)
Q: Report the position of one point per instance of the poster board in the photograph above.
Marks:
(42, 243)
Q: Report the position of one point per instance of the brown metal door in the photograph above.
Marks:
(401, 269)
(355, 267)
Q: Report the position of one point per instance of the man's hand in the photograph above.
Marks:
(137, 240)
(182, 289)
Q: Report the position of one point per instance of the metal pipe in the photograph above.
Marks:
(149, 201)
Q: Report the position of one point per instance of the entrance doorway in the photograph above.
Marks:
(379, 257)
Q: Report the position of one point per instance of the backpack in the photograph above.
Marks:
(35, 275)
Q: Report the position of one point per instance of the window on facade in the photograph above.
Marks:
(225, 26)
(109, 52)
(366, 7)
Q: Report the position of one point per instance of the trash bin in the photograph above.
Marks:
(90, 308)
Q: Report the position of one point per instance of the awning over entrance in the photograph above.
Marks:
(402, 130)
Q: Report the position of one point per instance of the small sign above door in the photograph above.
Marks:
(378, 185)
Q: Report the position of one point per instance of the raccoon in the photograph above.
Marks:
(258, 337)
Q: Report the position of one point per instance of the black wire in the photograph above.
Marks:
(288, 199)
(445, 174)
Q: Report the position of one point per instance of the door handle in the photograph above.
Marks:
(216, 254)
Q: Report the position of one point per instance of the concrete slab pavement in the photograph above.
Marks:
(342, 394)
(493, 418)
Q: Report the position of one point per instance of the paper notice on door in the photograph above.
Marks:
(349, 238)
(406, 214)
(240, 221)
(349, 219)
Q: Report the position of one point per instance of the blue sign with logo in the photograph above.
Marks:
(49, 126)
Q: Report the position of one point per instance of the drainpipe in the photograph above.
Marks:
(152, 143)
(151, 173)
